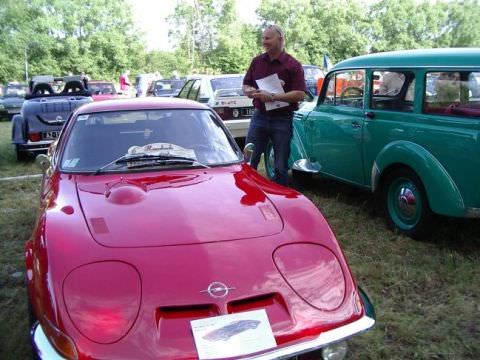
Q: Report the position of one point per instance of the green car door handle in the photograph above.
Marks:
(370, 114)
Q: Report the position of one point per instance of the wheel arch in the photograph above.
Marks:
(442, 193)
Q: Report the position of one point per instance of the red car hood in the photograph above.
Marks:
(173, 208)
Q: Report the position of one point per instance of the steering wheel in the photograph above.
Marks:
(351, 91)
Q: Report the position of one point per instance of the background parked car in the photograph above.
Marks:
(312, 75)
(45, 111)
(142, 82)
(12, 99)
(412, 139)
(102, 90)
(224, 94)
(165, 87)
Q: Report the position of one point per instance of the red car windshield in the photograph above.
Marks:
(98, 139)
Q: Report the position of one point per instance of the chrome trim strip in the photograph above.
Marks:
(325, 338)
(41, 346)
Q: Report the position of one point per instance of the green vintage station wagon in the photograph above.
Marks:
(403, 124)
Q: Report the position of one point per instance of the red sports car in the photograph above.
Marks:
(150, 219)
(102, 90)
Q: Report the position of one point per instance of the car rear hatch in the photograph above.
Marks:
(46, 116)
(175, 208)
(232, 104)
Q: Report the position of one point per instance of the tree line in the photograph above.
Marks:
(100, 38)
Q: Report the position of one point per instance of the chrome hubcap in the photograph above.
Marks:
(407, 203)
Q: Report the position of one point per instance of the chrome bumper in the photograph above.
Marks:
(45, 351)
(324, 339)
(238, 128)
(35, 147)
(42, 348)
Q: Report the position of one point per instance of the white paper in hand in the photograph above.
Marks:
(272, 84)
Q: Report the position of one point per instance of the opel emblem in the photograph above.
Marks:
(218, 290)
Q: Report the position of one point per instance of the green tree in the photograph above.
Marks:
(406, 24)
(63, 36)
(317, 27)
(462, 27)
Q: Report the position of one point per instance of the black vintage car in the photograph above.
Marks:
(47, 107)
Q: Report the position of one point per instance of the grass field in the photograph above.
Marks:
(426, 293)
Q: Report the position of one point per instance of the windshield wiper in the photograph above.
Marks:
(152, 160)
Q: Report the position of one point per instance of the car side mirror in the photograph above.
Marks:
(43, 162)
(248, 152)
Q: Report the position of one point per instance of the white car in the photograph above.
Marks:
(224, 94)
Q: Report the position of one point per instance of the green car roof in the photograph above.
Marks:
(451, 57)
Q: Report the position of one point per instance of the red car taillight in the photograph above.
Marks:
(34, 136)
(224, 112)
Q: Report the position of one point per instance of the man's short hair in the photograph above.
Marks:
(279, 31)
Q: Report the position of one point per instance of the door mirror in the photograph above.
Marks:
(43, 162)
(248, 152)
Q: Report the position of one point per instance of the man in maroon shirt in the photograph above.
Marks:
(274, 125)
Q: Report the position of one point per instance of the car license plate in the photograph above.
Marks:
(13, 111)
(50, 135)
(248, 112)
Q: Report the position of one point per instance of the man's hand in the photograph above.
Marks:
(249, 90)
(263, 95)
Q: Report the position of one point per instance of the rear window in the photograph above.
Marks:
(102, 88)
(312, 72)
(452, 93)
(234, 82)
(14, 90)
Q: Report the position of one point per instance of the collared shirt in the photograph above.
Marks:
(288, 69)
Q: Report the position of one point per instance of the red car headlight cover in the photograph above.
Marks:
(313, 272)
(103, 299)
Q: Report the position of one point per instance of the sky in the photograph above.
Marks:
(150, 15)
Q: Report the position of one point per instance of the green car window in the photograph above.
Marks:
(345, 88)
(349, 88)
(393, 90)
(452, 93)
